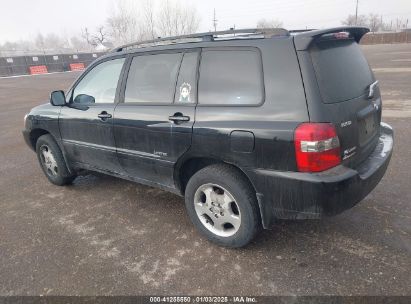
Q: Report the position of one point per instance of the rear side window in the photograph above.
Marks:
(342, 71)
(230, 77)
(187, 79)
(152, 78)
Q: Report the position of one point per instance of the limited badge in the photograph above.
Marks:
(185, 90)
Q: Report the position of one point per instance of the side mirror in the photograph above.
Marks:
(84, 99)
(57, 98)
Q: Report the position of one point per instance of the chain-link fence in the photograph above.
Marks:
(40, 64)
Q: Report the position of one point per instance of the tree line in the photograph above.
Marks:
(130, 21)
(376, 23)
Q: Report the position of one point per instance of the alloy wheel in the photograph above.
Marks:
(217, 210)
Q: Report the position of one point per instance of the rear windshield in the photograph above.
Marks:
(342, 71)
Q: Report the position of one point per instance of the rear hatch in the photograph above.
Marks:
(349, 94)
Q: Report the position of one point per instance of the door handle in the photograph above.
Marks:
(104, 115)
(178, 117)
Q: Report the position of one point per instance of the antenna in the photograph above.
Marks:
(356, 13)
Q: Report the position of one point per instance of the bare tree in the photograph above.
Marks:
(272, 23)
(374, 22)
(39, 42)
(129, 21)
(85, 34)
(11, 48)
(123, 22)
(135, 21)
(400, 23)
(26, 45)
(361, 20)
(386, 26)
(149, 19)
(165, 19)
(78, 44)
(53, 42)
(174, 19)
(100, 37)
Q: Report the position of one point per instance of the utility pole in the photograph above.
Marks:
(215, 22)
(356, 13)
(232, 29)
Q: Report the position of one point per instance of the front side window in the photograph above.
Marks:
(152, 78)
(100, 84)
(230, 77)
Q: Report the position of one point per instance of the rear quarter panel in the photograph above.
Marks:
(272, 123)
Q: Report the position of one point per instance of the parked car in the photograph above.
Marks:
(249, 126)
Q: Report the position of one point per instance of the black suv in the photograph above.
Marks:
(250, 126)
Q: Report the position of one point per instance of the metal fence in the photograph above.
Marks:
(36, 64)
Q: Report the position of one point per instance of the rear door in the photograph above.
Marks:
(350, 97)
(153, 123)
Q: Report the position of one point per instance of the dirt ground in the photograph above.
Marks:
(107, 236)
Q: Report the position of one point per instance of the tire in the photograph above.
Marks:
(207, 198)
(52, 162)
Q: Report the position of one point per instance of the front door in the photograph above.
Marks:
(86, 124)
(153, 124)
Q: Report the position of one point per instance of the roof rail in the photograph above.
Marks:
(207, 36)
(300, 31)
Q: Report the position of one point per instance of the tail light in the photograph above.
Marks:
(317, 147)
(335, 36)
(342, 35)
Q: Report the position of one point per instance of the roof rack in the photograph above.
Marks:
(207, 36)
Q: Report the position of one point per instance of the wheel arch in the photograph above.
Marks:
(186, 168)
(35, 135)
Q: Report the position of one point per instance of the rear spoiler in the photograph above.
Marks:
(303, 40)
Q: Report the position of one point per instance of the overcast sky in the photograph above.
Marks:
(20, 19)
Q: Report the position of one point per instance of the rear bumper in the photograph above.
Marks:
(295, 195)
